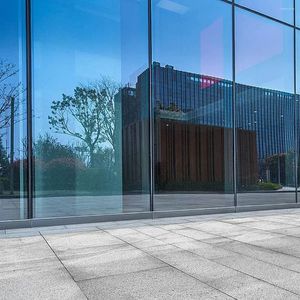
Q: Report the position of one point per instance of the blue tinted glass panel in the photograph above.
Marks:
(192, 99)
(265, 110)
(13, 163)
(91, 107)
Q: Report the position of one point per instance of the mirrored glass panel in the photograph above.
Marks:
(192, 102)
(265, 110)
(90, 100)
(13, 164)
(282, 10)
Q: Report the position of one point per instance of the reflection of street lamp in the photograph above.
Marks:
(12, 144)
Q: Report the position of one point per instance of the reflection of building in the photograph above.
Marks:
(208, 100)
(189, 103)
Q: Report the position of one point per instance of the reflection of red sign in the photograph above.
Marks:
(206, 82)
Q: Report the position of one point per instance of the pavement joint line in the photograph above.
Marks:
(271, 230)
(252, 245)
(242, 272)
(245, 256)
(259, 279)
(181, 271)
(64, 266)
(216, 235)
(120, 274)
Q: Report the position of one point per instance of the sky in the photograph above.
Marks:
(78, 41)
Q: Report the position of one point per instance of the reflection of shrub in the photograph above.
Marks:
(269, 186)
(97, 179)
(61, 173)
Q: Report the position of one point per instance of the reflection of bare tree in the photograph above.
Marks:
(91, 107)
(9, 91)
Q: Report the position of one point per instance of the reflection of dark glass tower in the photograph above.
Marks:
(207, 100)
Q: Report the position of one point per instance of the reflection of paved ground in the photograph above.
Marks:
(253, 255)
(97, 205)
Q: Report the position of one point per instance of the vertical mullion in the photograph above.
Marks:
(151, 113)
(29, 111)
(234, 110)
(295, 109)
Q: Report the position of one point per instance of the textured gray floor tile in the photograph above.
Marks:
(148, 243)
(163, 283)
(220, 228)
(16, 250)
(152, 230)
(282, 242)
(193, 233)
(134, 237)
(76, 240)
(201, 268)
(121, 231)
(171, 238)
(263, 254)
(267, 225)
(242, 286)
(111, 262)
(46, 282)
(235, 220)
(280, 277)
(254, 235)
(218, 240)
(204, 250)
(293, 231)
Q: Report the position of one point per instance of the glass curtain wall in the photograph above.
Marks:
(90, 107)
(192, 102)
(13, 144)
(224, 103)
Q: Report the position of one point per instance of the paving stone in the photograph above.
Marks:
(242, 286)
(45, 282)
(280, 277)
(204, 250)
(194, 234)
(171, 238)
(113, 261)
(17, 250)
(63, 242)
(162, 283)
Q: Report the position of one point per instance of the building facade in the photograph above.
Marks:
(144, 108)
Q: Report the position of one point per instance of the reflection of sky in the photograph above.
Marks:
(264, 56)
(280, 9)
(12, 49)
(78, 41)
(195, 38)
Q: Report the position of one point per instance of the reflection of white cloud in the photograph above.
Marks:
(173, 6)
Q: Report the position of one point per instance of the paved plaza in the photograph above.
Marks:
(253, 255)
